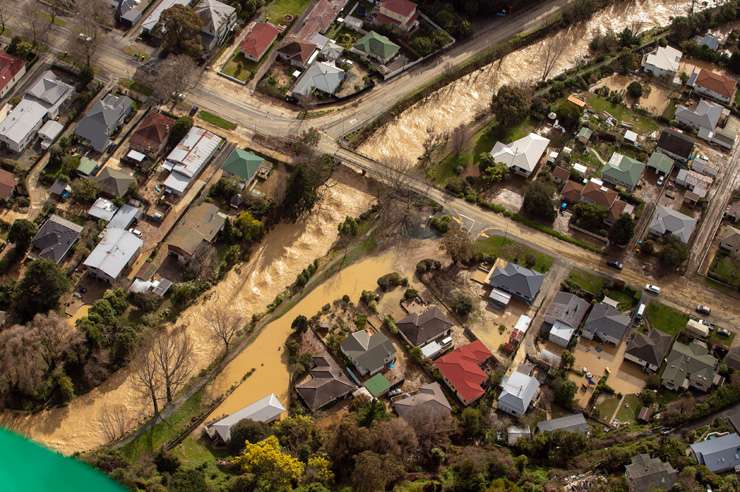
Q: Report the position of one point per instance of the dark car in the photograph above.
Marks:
(615, 264)
(702, 309)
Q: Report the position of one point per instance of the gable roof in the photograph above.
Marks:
(623, 169)
(48, 89)
(646, 474)
(607, 321)
(265, 410)
(326, 383)
(377, 45)
(114, 182)
(599, 195)
(9, 67)
(201, 223)
(692, 361)
(114, 252)
(262, 35)
(524, 153)
(715, 82)
(153, 18)
(367, 350)
(651, 347)
(7, 184)
(419, 328)
(215, 15)
(665, 57)
(518, 391)
(152, 132)
(572, 191)
(676, 143)
(718, 453)
(704, 115)
(22, 120)
(517, 280)
(428, 401)
(730, 236)
(243, 164)
(461, 368)
(298, 50)
(669, 221)
(403, 8)
(570, 423)
(55, 238)
(568, 309)
(102, 119)
(660, 162)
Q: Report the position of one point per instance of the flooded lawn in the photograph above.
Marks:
(494, 326)
(460, 101)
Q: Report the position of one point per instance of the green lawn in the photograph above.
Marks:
(665, 318)
(726, 269)
(239, 67)
(629, 409)
(718, 339)
(589, 282)
(508, 249)
(627, 297)
(216, 120)
(137, 87)
(276, 10)
(641, 124)
(607, 407)
(193, 453)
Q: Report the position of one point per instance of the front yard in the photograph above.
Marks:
(502, 247)
(239, 67)
(276, 10)
(665, 318)
(725, 269)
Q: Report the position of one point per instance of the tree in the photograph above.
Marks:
(181, 128)
(40, 289)
(458, 138)
(245, 431)
(673, 253)
(34, 25)
(495, 172)
(299, 435)
(622, 230)
(346, 440)
(85, 36)
(373, 472)
(302, 191)
(318, 470)
(396, 199)
(168, 79)
(551, 49)
(180, 29)
(457, 244)
(172, 352)
(148, 380)
(472, 422)
(589, 216)
(247, 227)
(300, 324)
(269, 466)
(462, 305)
(538, 203)
(634, 89)
(21, 233)
(84, 190)
(224, 324)
(511, 105)
(567, 359)
(565, 391)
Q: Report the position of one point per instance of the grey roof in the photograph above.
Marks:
(676, 143)
(669, 221)
(102, 120)
(215, 15)
(708, 40)
(419, 328)
(518, 391)
(103, 209)
(117, 248)
(705, 115)
(718, 454)
(55, 238)
(49, 90)
(326, 384)
(518, 281)
(131, 10)
(606, 321)
(24, 119)
(651, 347)
(153, 18)
(265, 410)
(323, 76)
(114, 182)
(569, 423)
(692, 362)
(428, 401)
(568, 309)
(646, 474)
(367, 350)
(125, 216)
(732, 359)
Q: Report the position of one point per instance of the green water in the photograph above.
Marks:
(27, 467)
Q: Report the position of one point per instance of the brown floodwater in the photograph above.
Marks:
(460, 101)
(287, 250)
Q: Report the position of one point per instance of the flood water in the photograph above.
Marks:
(249, 288)
(459, 102)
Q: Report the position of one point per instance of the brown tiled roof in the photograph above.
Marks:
(572, 192)
(561, 173)
(403, 8)
(7, 184)
(593, 193)
(259, 39)
(298, 50)
(617, 209)
(9, 66)
(721, 84)
(152, 133)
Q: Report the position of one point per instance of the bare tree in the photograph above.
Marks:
(55, 337)
(114, 421)
(35, 23)
(456, 242)
(170, 78)
(172, 353)
(224, 324)
(86, 34)
(458, 138)
(3, 16)
(551, 50)
(396, 198)
(147, 379)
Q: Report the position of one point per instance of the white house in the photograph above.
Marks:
(521, 156)
(518, 392)
(265, 410)
(113, 254)
(663, 62)
(189, 158)
(19, 127)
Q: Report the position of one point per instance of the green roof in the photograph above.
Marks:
(377, 45)
(377, 385)
(87, 166)
(584, 133)
(660, 162)
(32, 468)
(623, 170)
(243, 164)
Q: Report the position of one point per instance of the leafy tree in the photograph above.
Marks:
(673, 253)
(589, 215)
(248, 228)
(40, 289)
(84, 190)
(181, 128)
(189, 480)
(495, 172)
(300, 324)
(622, 230)
(462, 305)
(21, 233)
(318, 470)
(565, 392)
(628, 38)
(225, 188)
(634, 89)
(472, 422)
(538, 203)
(180, 29)
(299, 435)
(245, 431)
(302, 191)
(373, 472)
(270, 467)
(511, 105)
(567, 359)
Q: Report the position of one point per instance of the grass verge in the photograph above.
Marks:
(665, 318)
(216, 120)
(508, 249)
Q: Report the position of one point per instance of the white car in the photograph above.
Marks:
(653, 288)
(135, 232)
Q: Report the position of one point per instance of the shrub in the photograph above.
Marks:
(462, 305)
(427, 265)
(410, 294)
(390, 281)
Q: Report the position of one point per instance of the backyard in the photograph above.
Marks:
(641, 124)
(502, 247)
(276, 10)
(665, 318)
(726, 269)
(596, 285)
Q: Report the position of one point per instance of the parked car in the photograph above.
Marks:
(661, 180)
(653, 289)
(706, 323)
(702, 309)
(724, 332)
(615, 264)
(135, 232)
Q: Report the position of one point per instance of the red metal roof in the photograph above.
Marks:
(401, 7)
(9, 66)
(715, 82)
(259, 39)
(462, 370)
(7, 184)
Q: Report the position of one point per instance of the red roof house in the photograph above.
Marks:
(11, 71)
(462, 370)
(401, 13)
(297, 53)
(259, 39)
(152, 134)
(7, 184)
(714, 85)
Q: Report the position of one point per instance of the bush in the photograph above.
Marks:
(390, 281)
(427, 265)
(462, 305)
(410, 294)
(440, 223)
(634, 90)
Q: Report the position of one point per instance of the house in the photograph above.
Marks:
(102, 209)
(732, 211)
(243, 165)
(517, 281)
(297, 53)
(258, 41)
(701, 164)
(630, 137)
(328, 48)
(570, 423)
(149, 26)
(560, 175)
(623, 171)
(724, 137)
(60, 189)
(186, 161)
(462, 370)
(662, 62)
(125, 217)
(703, 118)
(514, 433)
(376, 47)
(11, 70)
(606, 323)
(325, 385)
(660, 163)
(264, 410)
(114, 182)
(593, 193)
(717, 86)
(730, 240)
(398, 13)
(377, 386)
(19, 127)
(200, 225)
(521, 156)
(708, 40)
(732, 359)
(676, 145)
(668, 221)
(51, 93)
(692, 180)
(128, 12)
(584, 135)
(320, 76)
(719, 454)
(49, 132)
(648, 349)
(113, 254)
(218, 21)
(87, 167)
(55, 238)
(103, 120)
(646, 474)
(421, 328)
(428, 401)
(563, 317)
(369, 352)
(151, 136)
(689, 365)
(7, 185)
(517, 393)
(157, 287)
